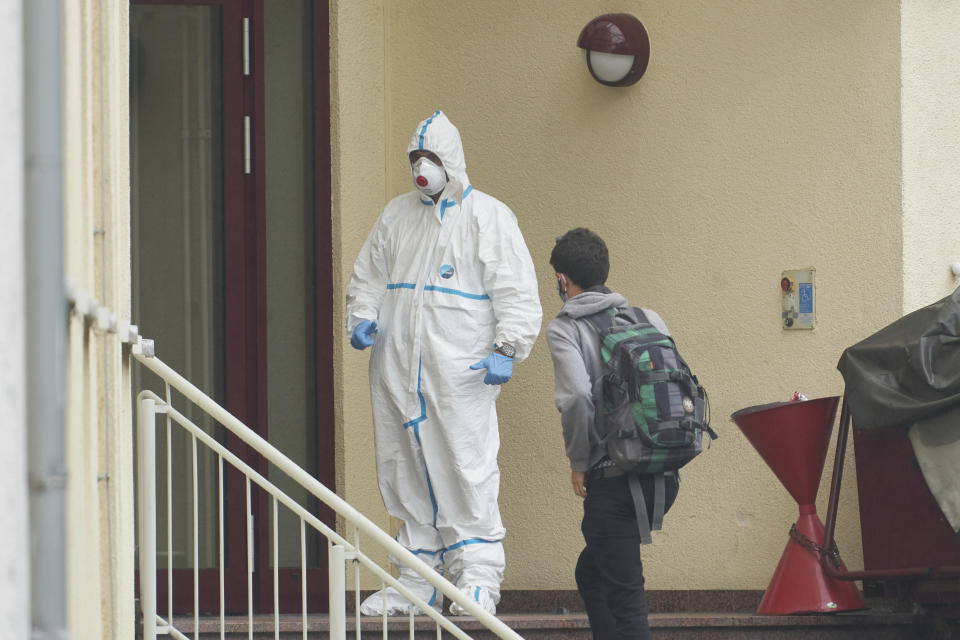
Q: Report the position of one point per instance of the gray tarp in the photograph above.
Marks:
(936, 445)
(906, 371)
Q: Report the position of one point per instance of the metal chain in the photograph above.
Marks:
(833, 553)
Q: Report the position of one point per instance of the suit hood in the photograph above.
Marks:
(438, 135)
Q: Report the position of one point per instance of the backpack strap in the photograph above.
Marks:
(646, 524)
(659, 502)
(640, 506)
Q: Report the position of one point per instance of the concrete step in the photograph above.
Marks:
(862, 625)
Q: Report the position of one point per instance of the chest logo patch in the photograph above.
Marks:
(446, 272)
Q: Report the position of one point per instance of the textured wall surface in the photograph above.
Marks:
(358, 193)
(764, 136)
(931, 150)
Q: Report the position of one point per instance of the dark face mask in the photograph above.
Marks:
(563, 294)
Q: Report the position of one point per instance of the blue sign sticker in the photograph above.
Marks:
(446, 272)
(805, 293)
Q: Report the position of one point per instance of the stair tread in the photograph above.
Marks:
(574, 620)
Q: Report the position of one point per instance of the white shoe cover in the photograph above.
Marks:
(479, 595)
(396, 604)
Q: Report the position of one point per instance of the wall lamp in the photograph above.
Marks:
(616, 49)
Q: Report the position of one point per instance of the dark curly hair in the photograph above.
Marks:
(582, 255)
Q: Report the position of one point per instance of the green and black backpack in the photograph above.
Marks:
(653, 409)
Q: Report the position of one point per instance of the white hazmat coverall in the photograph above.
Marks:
(445, 282)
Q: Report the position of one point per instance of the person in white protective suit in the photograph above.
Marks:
(445, 292)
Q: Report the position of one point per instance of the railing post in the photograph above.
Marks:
(147, 514)
(338, 593)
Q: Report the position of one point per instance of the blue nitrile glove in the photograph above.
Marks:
(363, 335)
(499, 368)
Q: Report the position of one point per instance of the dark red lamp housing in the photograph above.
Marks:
(616, 49)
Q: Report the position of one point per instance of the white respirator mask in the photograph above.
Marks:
(428, 178)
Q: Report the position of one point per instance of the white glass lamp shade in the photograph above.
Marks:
(608, 67)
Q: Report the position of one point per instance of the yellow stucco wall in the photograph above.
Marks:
(764, 136)
(931, 148)
(357, 123)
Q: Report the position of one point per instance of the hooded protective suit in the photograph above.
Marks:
(445, 282)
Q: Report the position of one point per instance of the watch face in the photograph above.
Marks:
(507, 350)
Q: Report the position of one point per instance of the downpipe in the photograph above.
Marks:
(46, 316)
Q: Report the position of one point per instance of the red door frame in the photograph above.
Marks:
(245, 299)
(323, 248)
(237, 333)
(289, 583)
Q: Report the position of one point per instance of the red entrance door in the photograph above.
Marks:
(232, 276)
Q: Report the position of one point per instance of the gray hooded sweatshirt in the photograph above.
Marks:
(577, 364)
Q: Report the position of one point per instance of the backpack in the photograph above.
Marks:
(650, 407)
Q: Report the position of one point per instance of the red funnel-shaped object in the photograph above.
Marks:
(792, 438)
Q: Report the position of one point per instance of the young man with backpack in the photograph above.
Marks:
(625, 469)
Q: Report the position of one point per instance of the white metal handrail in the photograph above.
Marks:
(340, 550)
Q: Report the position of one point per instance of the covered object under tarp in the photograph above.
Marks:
(908, 375)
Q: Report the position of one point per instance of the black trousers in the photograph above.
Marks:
(609, 572)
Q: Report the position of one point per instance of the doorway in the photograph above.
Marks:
(231, 253)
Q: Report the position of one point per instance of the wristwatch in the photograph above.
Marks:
(506, 349)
